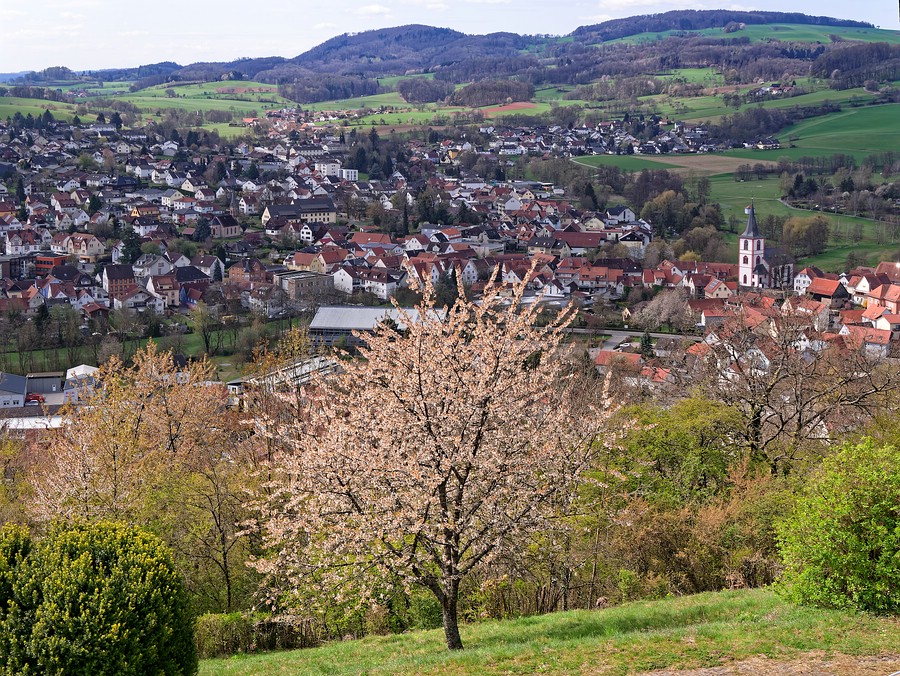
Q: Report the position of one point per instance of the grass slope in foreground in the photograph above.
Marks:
(687, 632)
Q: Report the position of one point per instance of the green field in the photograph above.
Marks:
(705, 76)
(10, 105)
(553, 93)
(391, 82)
(782, 32)
(388, 99)
(735, 196)
(104, 89)
(853, 131)
(229, 90)
(237, 96)
(626, 162)
(676, 633)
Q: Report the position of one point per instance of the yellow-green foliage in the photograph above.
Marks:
(92, 599)
(841, 546)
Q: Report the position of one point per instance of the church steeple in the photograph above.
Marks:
(752, 230)
(753, 271)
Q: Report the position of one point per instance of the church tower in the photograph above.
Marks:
(752, 268)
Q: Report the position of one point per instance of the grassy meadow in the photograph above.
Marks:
(626, 162)
(781, 32)
(10, 105)
(679, 633)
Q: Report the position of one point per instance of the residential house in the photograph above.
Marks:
(117, 279)
(247, 273)
(830, 291)
(382, 282)
(886, 296)
(874, 342)
(347, 279)
(150, 264)
(88, 248)
(211, 266)
(138, 299)
(165, 287)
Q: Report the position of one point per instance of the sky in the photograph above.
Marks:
(96, 34)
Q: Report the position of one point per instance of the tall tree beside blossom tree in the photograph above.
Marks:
(155, 445)
(448, 444)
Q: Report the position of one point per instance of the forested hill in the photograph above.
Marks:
(698, 19)
(354, 65)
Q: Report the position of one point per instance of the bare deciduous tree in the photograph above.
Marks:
(155, 446)
(795, 390)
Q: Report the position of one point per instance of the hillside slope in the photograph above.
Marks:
(678, 633)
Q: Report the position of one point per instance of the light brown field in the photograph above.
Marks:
(518, 105)
(706, 163)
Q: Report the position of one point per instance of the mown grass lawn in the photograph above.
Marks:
(687, 632)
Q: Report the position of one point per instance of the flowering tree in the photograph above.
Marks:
(447, 444)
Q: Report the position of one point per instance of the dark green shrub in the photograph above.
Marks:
(94, 599)
(841, 545)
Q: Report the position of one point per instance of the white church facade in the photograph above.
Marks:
(761, 267)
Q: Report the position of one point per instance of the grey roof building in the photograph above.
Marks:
(333, 323)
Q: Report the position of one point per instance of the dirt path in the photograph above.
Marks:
(815, 663)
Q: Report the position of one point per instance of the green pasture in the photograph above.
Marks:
(781, 32)
(150, 104)
(10, 105)
(376, 101)
(852, 131)
(711, 108)
(98, 89)
(809, 33)
(626, 162)
(214, 89)
(391, 82)
(705, 76)
(553, 93)
(734, 196)
(873, 129)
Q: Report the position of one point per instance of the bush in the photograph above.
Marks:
(219, 635)
(841, 545)
(223, 634)
(92, 599)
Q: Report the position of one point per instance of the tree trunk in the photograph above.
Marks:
(451, 622)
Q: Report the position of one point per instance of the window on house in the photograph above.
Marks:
(759, 244)
(745, 279)
(746, 244)
(745, 260)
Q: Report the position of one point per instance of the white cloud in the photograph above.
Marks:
(488, 2)
(373, 10)
(429, 5)
(324, 26)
